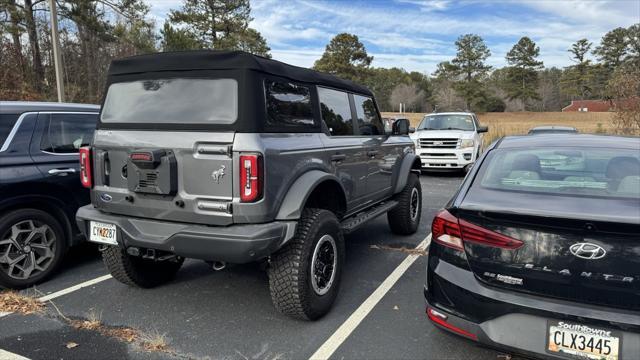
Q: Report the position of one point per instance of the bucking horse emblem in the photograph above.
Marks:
(218, 174)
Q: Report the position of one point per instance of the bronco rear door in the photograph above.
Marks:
(156, 154)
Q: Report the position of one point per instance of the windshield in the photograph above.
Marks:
(447, 122)
(576, 171)
(194, 101)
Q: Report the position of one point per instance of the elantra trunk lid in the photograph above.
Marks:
(574, 215)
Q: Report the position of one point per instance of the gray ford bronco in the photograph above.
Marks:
(231, 157)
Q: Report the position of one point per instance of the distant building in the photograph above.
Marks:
(598, 105)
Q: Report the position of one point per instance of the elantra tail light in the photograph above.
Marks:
(251, 177)
(452, 232)
(85, 167)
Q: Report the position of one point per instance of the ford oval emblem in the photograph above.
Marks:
(106, 197)
(588, 251)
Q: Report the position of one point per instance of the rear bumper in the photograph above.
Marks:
(516, 322)
(235, 243)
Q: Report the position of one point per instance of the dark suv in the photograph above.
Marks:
(40, 190)
(226, 156)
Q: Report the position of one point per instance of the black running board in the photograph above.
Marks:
(351, 224)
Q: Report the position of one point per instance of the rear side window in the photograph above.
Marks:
(66, 133)
(368, 120)
(569, 171)
(172, 101)
(6, 124)
(336, 112)
(288, 105)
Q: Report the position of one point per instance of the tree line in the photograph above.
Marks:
(466, 82)
(93, 32)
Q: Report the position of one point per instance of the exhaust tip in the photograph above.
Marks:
(219, 265)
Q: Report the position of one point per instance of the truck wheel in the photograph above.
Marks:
(135, 271)
(32, 243)
(405, 218)
(304, 276)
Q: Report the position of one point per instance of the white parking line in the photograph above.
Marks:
(3, 314)
(71, 289)
(5, 355)
(339, 336)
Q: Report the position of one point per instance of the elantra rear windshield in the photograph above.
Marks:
(590, 172)
(170, 101)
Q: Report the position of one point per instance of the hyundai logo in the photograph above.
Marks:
(105, 197)
(587, 251)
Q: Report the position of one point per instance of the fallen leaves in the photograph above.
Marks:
(402, 249)
(11, 301)
(71, 345)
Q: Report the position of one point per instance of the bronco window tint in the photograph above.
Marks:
(288, 104)
(168, 101)
(6, 124)
(336, 112)
(368, 119)
(66, 133)
(568, 171)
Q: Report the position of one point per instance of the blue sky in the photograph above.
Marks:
(417, 35)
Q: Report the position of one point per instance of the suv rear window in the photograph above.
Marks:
(563, 170)
(6, 124)
(169, 101)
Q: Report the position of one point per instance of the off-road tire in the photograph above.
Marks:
(138, 272)
(401, 220)
(38, 217)
(290, 273)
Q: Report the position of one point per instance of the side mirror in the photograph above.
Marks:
(483, 129)
(400, 127)
(412, 130)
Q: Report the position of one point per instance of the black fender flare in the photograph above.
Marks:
(410, 163)
(296, 198)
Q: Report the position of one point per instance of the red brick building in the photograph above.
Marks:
(600, 105)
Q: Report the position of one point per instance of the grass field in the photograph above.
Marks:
(516, 123)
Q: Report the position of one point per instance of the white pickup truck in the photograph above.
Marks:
(449, 141)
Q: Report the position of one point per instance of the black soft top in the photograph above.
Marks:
(225, 60)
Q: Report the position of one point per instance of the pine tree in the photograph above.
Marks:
(345, 56)
(613, 47)
(522, 77)
(470, 65)
(218, 24)
(577, 78)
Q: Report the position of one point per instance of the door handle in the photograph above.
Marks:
(338, 157)
(372, 153)
(62, 172)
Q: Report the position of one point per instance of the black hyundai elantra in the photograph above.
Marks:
(538, 252)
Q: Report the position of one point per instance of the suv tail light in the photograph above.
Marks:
(251, 177)
(85, 167)
(452, 232)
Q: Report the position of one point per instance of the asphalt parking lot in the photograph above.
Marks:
(228, 314)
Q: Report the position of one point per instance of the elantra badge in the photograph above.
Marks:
(587, 251)
(218, 174)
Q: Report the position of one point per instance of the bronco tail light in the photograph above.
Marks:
(441, 319)
(450, 231)
(251, 177)
(85, 167)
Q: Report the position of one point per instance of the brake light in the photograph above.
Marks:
(251, 177)
(446, 231)
(85, 167)
(453, 232)
(441, 319)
